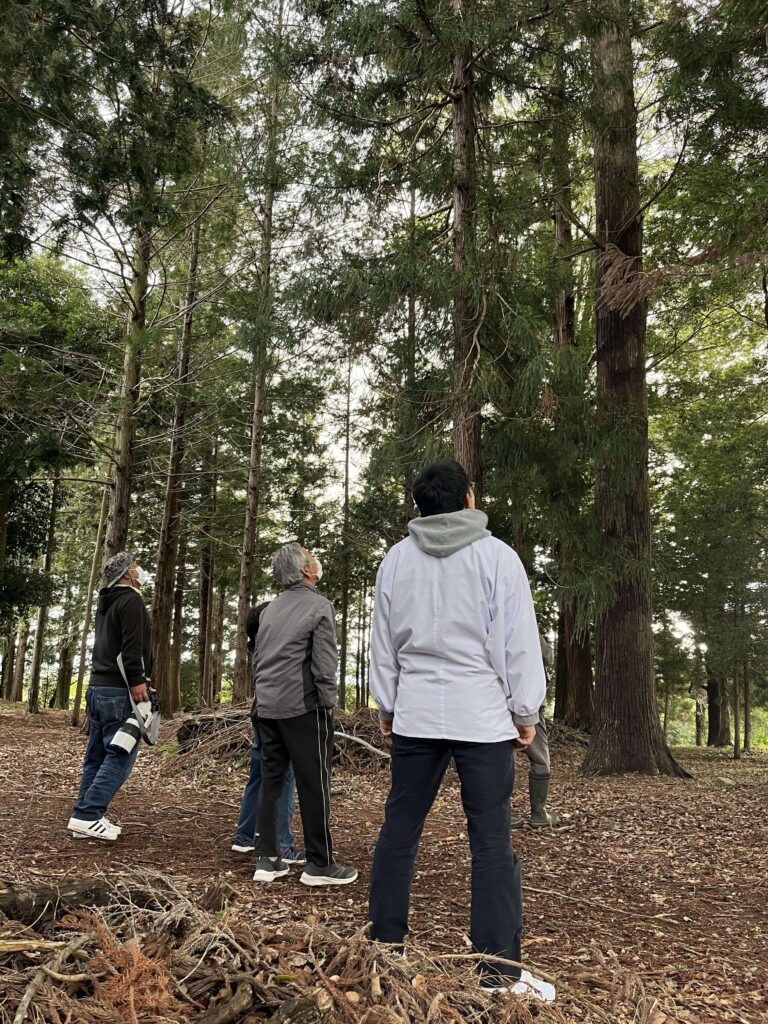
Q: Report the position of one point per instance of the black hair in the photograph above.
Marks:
(252, 624)
(441, 486)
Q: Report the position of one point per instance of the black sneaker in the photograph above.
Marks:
(269, 868)
(331, 874)
(293, 856)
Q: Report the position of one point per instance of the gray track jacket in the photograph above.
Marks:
(294, 667)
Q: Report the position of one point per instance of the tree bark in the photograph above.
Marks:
(241, 683)
(345, 553)
(626, 734)
(580, 692)
(9, 663)
(33, 696)
(5, 505)
(561, 669)
(174, 670)
(736, 715)
(466, 314)
(92, 583)
(207, 562)
(218, 643)
(168, 545)
(66, 654)
(718, 718)
(747, 705)
(120, 503)
(17, 688)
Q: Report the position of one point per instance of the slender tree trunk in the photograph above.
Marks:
(174, 668)
(736, 714)
(92, 583)
(17, 689)
(466, 314)
(561, 669)
(358, 660)
(33, 697)
(365, 647)
(168, 546)
(206, 590)
(66, 654)
(9, 662)
(241, 683)
(626, 735)
(345, 553)
(218, 643)
(5, 505)
(747, 705)
(408, 419)
(699, 724)
(120, 504)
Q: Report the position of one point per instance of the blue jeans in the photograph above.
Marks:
(103, 772)
(486, 772)
(246, 826)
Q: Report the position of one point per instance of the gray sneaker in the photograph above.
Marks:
(330, 874)
(270, 868)
(293, 856)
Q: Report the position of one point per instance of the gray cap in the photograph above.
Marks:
(116, 567)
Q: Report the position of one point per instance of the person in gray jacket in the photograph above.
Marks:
(294, 673)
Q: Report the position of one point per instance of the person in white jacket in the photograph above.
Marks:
(457, 672)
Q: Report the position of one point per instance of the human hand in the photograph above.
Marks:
(527, 734)
(139, 693)
(385, 728)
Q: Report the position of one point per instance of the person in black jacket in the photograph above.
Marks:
(123, 637)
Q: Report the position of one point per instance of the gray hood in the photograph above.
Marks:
(449, 532)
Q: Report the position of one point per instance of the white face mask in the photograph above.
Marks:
(319, 565)
(142, 577)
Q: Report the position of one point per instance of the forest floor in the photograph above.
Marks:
(661, 881)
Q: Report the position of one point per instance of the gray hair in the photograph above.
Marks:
(287, 564)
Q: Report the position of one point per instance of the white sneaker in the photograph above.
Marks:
(243, 848)
(101, 829)
(528, 985)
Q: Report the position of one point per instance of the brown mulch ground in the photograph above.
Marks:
(661, 880)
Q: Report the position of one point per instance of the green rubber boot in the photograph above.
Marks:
(538, 789)
(516, 819)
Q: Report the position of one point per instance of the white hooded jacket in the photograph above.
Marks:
(455, 650)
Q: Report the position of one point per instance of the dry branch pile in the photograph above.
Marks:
(208, 739)
(148, 953)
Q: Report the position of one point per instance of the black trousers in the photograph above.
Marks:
(486, 772)
(307, 741)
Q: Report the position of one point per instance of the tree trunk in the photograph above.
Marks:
(177, 645)
(561, 669)
(66, 654)
(5, 505)
(699, 724)
(9, 663)
(747, 706)
(33, 696)
(736, 718)
(466, 315)
(408, 420)
(719, 723)
(665, 726)
(92, 583)
(241, 683)
(120, 504)
(206, 589)
(580, 692)
(626, 735)
(218, 643)
(168, 545)
(17, 688)
(365, 647)
(345, 553)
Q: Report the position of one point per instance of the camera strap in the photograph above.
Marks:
(150, 735)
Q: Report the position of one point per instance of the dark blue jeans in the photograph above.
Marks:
(486, 772)
(103, 772)
(246, 826)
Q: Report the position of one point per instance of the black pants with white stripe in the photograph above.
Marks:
(307, 741)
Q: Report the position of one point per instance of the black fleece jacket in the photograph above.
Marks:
(122, 627)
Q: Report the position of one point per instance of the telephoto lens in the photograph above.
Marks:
(129, 733)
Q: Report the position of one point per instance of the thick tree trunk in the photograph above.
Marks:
(241, 683)
(345, 540)
(168, 545)
(17, 687)
(92, 583)
(580, 693)
(718, 718)
(120, 504)
(626, 735)
(174, 669)
(466, 314)
(33, 696)
(9, 663)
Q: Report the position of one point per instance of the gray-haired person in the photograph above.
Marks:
(295, 665)
(122, 631)
(539, 771)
